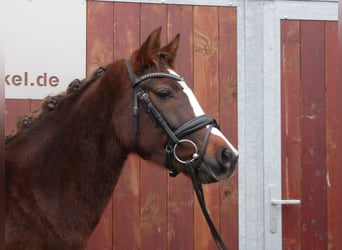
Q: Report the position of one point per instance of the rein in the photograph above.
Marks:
(187, 128)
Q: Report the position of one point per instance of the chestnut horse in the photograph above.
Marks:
(64, 160)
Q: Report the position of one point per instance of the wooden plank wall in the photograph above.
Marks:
(149, 210)
(311, 166)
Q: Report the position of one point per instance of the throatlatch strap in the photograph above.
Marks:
(130, 71)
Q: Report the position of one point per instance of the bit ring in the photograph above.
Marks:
(194, 155)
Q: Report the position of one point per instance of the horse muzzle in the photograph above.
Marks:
(218, 167)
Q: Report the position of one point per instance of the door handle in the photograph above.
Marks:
(284, 202)
(275, 209)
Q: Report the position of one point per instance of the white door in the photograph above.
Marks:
(259, 114)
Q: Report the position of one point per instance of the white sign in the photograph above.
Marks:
(45, 46)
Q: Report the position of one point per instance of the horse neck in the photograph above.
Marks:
(75, 162)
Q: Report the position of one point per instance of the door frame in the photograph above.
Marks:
(259, 109)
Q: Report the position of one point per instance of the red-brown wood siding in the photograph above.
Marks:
(334, 137)
(126, 196)
(291, 132)
(100, 52)
(149, 210)
(336, 208)
(314, 186)
(228, 120)
(311, 165)
(181, 198)
(207, 92)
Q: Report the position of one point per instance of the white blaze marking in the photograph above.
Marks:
(197, 109)
(192, 99)
(217, 132)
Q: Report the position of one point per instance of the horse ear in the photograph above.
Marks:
(149, 49)
(170, 50)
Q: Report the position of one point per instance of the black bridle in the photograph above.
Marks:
(175, 138)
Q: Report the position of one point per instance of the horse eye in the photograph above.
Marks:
(164, 94)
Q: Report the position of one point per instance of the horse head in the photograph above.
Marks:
(170, 127)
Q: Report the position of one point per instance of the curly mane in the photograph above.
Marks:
(51, 103)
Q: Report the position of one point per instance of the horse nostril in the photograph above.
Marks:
(226, 157)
